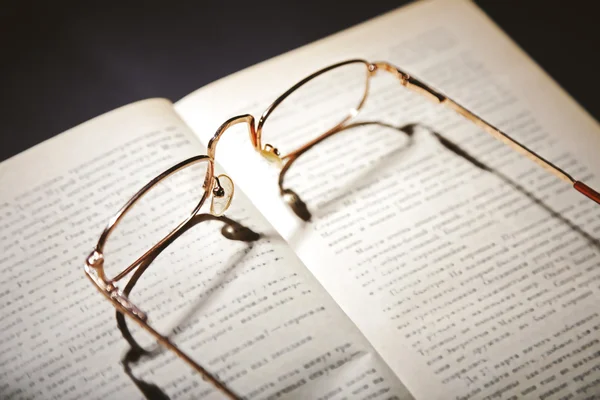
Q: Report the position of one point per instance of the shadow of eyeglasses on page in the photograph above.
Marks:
(301, 209)
(453, 147)
(231, 230)
(295, 202)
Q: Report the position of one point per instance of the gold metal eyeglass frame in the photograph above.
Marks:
(271, 153)
(94, 264)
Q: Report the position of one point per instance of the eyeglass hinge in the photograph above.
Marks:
(95, 259)
(124, 302)
(384, 66)
(94, 263)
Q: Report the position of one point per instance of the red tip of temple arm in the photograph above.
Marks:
(587, 191)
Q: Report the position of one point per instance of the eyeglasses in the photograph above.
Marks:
(130, 240)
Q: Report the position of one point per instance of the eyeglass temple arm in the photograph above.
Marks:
(421, 88)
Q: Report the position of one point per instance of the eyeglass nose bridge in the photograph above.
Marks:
(245, 119)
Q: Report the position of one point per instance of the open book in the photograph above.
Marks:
(423, 273)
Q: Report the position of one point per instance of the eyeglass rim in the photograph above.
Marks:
(269, 110)
(98, 253)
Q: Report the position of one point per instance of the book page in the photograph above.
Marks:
(473, 272)
(249, 312)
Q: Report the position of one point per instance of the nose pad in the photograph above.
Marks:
(222, 194)
(271, 154)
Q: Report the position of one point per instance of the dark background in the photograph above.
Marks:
(66, 62)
